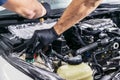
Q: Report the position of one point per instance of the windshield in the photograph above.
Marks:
(57, 4)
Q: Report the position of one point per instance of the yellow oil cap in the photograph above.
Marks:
(41, 20)
(75, 72)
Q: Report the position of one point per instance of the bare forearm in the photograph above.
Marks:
(76, 11)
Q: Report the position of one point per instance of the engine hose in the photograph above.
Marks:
(99, 69)
(98, 66)
(92, 32)
(72, 60)
(115, 33)
(92, 46)
(80, 38)
(100, 52)
(94, 56)
(81, 41)
(86, 48)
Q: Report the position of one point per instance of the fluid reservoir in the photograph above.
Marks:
(57, 4)
(75, 72)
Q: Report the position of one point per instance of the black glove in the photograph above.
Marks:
(48, 8)
(40, 39)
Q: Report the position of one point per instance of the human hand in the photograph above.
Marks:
(40, 39)
(27, 8)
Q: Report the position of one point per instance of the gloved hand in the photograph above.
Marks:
(40, 39)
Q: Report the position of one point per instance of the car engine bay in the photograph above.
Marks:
(93, 43)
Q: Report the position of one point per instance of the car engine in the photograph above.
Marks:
(92, 45)
(97, 40)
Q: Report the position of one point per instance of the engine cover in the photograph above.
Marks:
(97, 24)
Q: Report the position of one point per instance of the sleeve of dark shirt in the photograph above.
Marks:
(2, 2)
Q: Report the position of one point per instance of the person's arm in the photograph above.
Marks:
(2, 2)
(76, 11)
(27, 8)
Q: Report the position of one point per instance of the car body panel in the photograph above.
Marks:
(8, 72)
